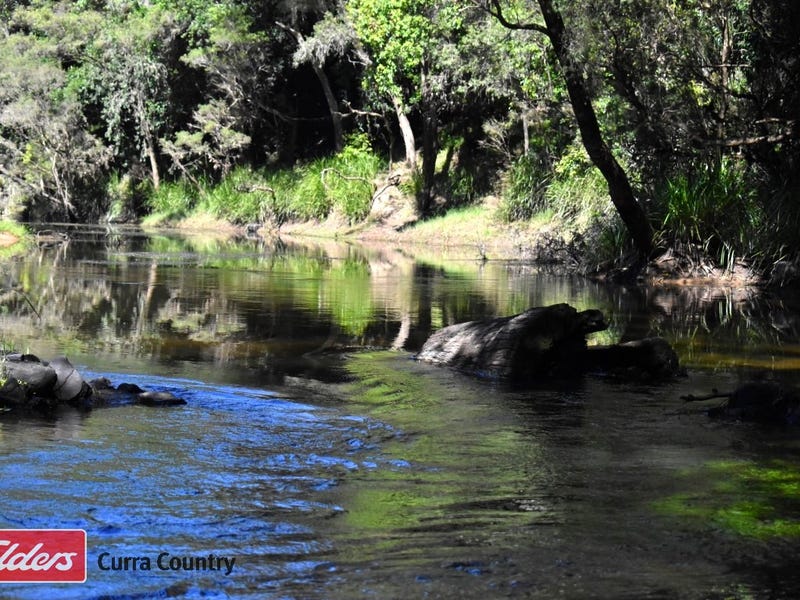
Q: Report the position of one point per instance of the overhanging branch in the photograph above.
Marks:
(494, 9)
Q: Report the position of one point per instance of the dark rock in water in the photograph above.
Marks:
(541, 341)
(106, 394)
(544, 342)
(159, 399)
(70, 387)
(25, 380)
(758, 401)
(129, 388)
(27, 383)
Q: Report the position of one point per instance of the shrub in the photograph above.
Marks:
(714, 206)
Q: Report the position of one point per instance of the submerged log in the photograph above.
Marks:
(651, 357)
(758, 401)
(544, 342)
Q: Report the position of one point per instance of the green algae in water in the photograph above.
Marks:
(751, 500)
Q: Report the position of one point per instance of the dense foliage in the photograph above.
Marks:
(113, 108)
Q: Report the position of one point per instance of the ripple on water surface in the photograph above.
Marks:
(237, 473)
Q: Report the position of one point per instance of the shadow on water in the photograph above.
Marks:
(330, 471)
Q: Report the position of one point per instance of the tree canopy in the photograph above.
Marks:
(690, 97)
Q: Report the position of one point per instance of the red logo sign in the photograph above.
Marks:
(43, 555)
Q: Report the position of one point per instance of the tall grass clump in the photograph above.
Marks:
(782, 222)
(714, 207)
(342, 182)
(526, 183)
(241, 197)
(309, 198)
(355, 168)
(172, 200)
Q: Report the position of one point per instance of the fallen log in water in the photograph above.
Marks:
(542, 342)
(758, 401)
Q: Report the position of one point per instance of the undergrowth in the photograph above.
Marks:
(716, 209)
(341, 183)
(570, 194)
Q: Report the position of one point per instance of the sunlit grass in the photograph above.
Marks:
(467, 225)
(17, 238)
(313, 190)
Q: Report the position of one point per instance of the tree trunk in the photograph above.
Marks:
(151, 155)
(330, 98)
(149, 141)
(619, 187)
(408, 133)
(333, 107)
(724, 59)
(526, 140)
(429, 150)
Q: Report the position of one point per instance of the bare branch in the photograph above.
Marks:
(789, 133)
(249, 189)
(342, 176)
(357, 112)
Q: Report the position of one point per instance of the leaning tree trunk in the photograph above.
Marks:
(407, 132)
(333, 107)
(619, 187)
(149, 141)
(327, 90)
(153, 158)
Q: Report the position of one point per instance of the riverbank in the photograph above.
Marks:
(477, 233)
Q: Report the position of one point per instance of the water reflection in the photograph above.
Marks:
(128, 299)
(268, 308)
(337, 474)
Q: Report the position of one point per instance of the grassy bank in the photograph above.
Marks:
(341, 184)
(711, 218)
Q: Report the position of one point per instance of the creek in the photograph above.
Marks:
(324, 462)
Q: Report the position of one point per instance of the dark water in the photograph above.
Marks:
(329, 466)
